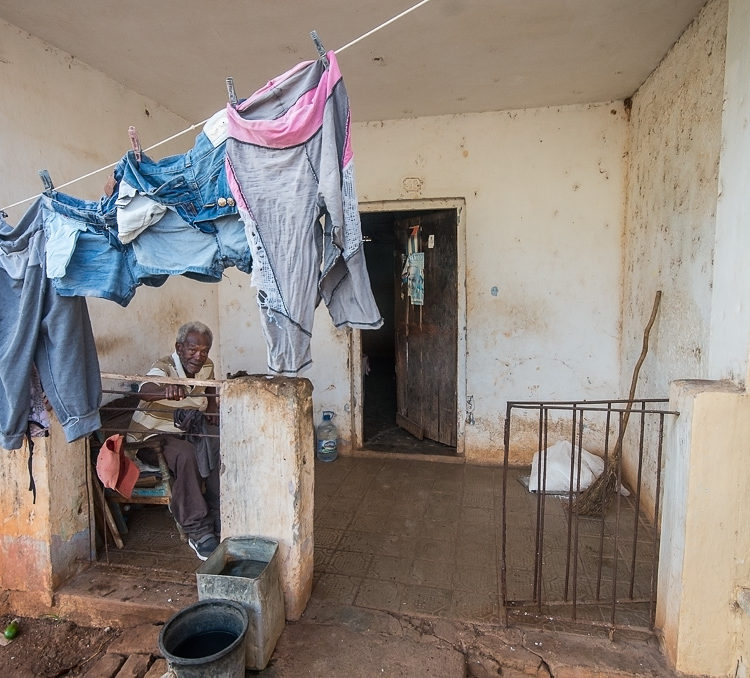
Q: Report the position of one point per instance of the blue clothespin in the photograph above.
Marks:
(319, 47)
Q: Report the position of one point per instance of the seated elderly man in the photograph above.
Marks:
(173, 416)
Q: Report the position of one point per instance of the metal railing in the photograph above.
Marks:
(558, 563)
(126, 401)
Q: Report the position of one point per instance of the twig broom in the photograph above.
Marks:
(597, 496)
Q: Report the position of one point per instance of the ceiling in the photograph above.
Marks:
(445, 57)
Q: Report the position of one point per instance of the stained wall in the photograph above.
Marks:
(672, 187)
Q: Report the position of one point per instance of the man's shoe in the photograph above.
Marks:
(204, 546)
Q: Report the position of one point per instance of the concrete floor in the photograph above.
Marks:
(409, 536)
(406, 583)
(420, 537)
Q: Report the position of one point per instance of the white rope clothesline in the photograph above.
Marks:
(203, 122)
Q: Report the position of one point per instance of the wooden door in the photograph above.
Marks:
(426, 335)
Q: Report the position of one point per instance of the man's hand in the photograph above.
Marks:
(174, 392)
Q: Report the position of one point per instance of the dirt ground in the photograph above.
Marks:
(50, 647)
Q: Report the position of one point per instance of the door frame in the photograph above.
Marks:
(356, 386)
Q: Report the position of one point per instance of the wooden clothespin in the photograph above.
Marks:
(46, 180)
(319, 47)
(230, 91)
(135, 142)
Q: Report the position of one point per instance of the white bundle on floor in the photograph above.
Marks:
(558, 469)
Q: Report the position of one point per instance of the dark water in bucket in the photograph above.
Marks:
(204, 644)
(244, 568)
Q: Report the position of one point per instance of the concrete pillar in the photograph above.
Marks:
(267, 475)
(42, 543)
(704, 561)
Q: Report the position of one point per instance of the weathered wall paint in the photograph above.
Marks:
(42, 542)
(543, 191)
(675, 143)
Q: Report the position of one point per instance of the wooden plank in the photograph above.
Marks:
(411, 426)
(108, 517)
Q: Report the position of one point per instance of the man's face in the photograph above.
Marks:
(193, 352)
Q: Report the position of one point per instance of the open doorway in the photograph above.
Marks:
(409, 366)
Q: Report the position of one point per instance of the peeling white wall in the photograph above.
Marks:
(59, 114)
(675, 144)
(543, 191)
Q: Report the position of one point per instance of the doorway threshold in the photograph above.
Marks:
(366, 453)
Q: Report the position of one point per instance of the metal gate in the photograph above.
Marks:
(559, 564)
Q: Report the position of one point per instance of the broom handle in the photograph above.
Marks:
(636, 370)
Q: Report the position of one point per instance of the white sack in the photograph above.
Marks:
(558, 469)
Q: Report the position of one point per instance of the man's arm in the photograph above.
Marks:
(150, 392)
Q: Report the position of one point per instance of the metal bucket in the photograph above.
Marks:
(247, 570)
(206, 640)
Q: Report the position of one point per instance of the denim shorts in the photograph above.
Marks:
(194, 184)
(84, 256)
(174, 247)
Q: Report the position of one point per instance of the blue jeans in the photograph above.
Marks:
(41, 328)
(193, 184)
(172, 246)
(84, 256)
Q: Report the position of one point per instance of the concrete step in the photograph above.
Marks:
(103, 595)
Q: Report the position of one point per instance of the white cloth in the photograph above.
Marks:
(135, 212)
(558, 468)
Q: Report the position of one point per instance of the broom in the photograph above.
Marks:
(597, 496)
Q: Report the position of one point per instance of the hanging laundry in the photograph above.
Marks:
(135, 212)
(179, 213)
(193, 184)
(84, 256)
(41, 328)
(174, 247)
(289, 163)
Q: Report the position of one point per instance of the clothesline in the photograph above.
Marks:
(203, 122)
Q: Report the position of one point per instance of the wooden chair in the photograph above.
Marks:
(149, 489)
